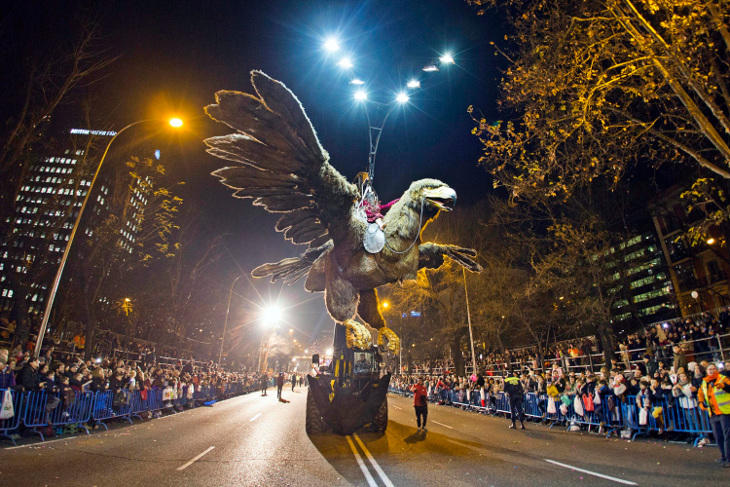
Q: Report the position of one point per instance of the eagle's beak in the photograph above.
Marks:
(442, 197)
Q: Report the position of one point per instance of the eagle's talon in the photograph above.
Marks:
(357, 335)
(393, 342)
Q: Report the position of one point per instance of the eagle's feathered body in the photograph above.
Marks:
(283, 167)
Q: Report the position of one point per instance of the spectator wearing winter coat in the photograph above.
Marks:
(28, 379)
(680, 360)
(650, 365)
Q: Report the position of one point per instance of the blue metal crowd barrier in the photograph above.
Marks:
(12, 424)
(34, 413)
(110, 405)
(37, 410)
(75, 413)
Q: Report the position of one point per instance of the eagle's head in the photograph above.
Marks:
(433, 194)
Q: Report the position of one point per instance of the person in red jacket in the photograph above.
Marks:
(420, 403)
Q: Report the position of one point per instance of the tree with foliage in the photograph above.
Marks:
(595, 86)
(185, 293)
(40, 77)
(52, 75)
(140, 206)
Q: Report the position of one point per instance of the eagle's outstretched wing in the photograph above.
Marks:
(281, 164)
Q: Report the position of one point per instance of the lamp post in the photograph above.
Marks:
(174, 122)
(225, 323)
(468, 318)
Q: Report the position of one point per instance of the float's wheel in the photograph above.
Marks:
(314, 424)
(380, 420)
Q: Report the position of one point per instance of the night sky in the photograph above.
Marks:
(174, 56)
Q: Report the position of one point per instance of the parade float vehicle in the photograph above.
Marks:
(353, 244)
(348, 394)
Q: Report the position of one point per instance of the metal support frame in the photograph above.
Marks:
(374, 134)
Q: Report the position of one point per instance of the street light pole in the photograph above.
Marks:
(225, 323)
(468, 318)
(67, 250)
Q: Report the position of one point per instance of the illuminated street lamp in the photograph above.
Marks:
(711, 241)
(361, 95)
(271, 315)
(74, 229)
(402, 97)
(175, 122)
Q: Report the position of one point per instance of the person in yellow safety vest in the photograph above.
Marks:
(714, 397)
(513, 388)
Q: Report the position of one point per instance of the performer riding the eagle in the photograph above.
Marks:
(281, 165)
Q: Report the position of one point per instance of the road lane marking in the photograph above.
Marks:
(396, 407)
(255, 417)
(41, 443)
(595, 474)
(194, 459)
(442, 424)
(375, 465)
(358, 458)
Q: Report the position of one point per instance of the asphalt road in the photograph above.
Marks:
(257, 441)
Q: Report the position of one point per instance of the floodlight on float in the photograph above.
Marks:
(402, 97)
(447, 58)
(331, 44)
(346, 63)
(361, 95)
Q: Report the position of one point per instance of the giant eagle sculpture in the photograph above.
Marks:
(281, 165)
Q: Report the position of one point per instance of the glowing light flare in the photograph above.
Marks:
(447, 58)
(386, 304)
(414, 83)
(357, 82)
(271, 315)
(360, 95)
(175, 122)
(711, 241)
(329, 351)
(402, 97)
(331, 44)
(346, 63)
(431, 68)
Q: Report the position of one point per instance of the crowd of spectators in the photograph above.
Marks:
(670, 343)
(65, 374)
(648, 386)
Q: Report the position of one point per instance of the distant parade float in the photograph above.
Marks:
(354, 244)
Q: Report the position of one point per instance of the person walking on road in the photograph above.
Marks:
(513, 388)
(279, 385)
(263, 381)
(420, 403)
(293, 381)
(714, 397)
